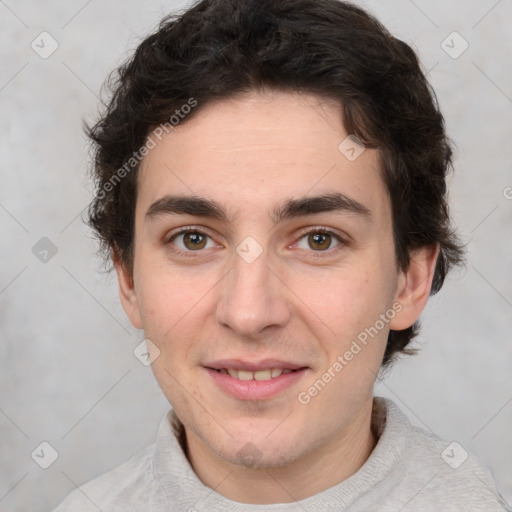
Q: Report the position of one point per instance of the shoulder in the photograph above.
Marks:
(458, 478)
(439, 472)
(120, 490)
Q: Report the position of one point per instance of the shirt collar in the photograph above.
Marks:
(177, 483)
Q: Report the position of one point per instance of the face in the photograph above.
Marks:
(262, 253)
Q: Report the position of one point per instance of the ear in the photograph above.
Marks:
(414, 286)
(127, 291)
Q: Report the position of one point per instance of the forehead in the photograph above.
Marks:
(251, 152)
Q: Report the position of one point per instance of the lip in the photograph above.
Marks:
(254, 389)
(239, 364)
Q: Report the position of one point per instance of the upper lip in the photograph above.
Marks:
(240, 364)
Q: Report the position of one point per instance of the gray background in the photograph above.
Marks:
(68, 374)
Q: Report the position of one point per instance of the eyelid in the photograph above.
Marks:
(186, 229)
(169, 238)
(325, 230)
(303, 232)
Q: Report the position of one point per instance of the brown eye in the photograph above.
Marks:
(319, 240)
(189, 240)
(194, 241)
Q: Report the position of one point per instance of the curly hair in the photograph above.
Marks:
(220, 48)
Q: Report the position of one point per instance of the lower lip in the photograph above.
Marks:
(255, 389)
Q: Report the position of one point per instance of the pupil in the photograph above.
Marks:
(321, 240)
(194, 239)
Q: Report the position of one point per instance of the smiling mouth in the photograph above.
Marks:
(260, 379)
(260, 375)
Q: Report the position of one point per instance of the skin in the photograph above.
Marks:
(294, 302)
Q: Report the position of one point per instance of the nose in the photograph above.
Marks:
(252, 298)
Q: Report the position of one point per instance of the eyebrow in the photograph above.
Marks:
(291, 208)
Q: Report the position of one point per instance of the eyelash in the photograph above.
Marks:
(315, 254)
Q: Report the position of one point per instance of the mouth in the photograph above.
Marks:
(254, 381)
(260, 375)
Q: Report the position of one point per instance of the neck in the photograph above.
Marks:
(334, 462)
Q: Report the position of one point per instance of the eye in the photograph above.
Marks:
(319, 240)
(190, 240)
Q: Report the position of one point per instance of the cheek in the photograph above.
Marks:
(343, 298)
(167, 295)
(173, 305)
(349, 306)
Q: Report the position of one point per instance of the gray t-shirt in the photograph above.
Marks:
(409, 470)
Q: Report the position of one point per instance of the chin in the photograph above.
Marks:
(252, 456)
(258, 450)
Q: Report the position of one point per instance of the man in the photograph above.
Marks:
(271, 190)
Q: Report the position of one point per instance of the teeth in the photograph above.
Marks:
(267, 374)
(244, 375)
(263, 375)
